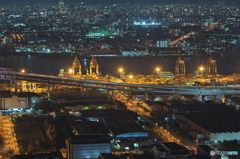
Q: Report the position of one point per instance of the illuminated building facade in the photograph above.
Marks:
(87, 146)
(97, 32)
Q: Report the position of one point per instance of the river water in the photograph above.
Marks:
(50, 64)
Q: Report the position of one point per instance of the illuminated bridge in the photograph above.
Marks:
(7, 74)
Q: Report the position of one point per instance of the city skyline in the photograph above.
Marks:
(99, 79)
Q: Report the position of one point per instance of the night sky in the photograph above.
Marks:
(120, 1)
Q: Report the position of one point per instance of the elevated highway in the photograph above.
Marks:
(7, 74)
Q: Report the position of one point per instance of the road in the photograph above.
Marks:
(160, 131)
(6, 74)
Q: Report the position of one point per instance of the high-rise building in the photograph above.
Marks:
(61, 7)
(82, 4)
(221, 4)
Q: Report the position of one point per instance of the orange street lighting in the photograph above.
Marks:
(201, 69)
(130, 76)
(23, 71)
(158, 69)
(70, 71)
(120, 70)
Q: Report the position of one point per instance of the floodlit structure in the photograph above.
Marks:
(180, 65)
(94, 65)
(211, 64)
(76, 67)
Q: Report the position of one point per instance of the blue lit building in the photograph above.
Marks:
(127, 129)
(87, 146)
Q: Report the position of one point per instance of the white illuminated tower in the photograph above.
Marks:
(221, 4)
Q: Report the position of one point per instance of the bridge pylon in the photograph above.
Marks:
(211, 64)
(180, 65)
(76, 67)
(94, 64)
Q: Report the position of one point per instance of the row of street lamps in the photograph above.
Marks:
(121, 70)
(158, 69)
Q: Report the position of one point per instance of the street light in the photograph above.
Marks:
(121, 72)
(201, 70)
(70, 71)
(158, 69)
(23, 71)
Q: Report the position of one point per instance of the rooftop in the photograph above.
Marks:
(104, 113)
(174, 148)
(216, 122)
(88, 139)
(51, 155)
(89, 127)
(122, 127)
(198, 106)
(206, 148)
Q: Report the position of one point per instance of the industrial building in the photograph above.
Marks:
(87, 146)
(212, 126)
(169, 150)
(127, 129)
(18, 101)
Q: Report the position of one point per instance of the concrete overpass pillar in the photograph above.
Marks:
(221, 97)
(87, 92)
(112, 94)
(14, 85)
(11, 84)
(199, 97)
(106, 89)
(53, 88)
(21, 86)
(146, 94)
(48, 89)
(109, 93)
(82, 92)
